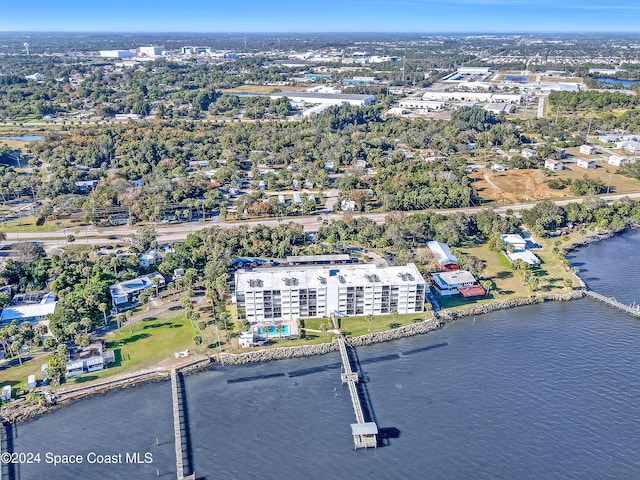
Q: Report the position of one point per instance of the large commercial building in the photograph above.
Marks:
(289, 293)
(303, 98)
(117, 54)
(153, 51)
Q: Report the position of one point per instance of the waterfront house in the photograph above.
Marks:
(446, 260)
(457, 282)
(88, 359)
(128, 291)
(516, 248)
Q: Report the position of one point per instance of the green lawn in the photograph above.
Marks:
(354, 326)
(26, 225)
(152, 340)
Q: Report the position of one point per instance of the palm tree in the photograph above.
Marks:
(119, 318)
(279, 330)
(128, 315)
(369, 320)
(103, 308)
(323, 329)
(265, 330)
(156, 283)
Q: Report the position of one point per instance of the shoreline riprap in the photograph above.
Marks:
(22, 411)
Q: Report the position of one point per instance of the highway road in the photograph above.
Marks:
(176, 233)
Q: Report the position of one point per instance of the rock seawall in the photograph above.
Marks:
(278, 353)
(506, 304)
(269, 354)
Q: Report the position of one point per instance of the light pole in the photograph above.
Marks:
(609, 185)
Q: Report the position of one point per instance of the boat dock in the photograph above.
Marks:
(180, 427)
(365, 434)
(635, 311)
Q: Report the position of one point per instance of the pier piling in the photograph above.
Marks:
(180, 427)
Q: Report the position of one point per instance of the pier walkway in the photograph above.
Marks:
(365, 434)
(635, 311)
(183, 467)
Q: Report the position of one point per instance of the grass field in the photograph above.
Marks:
(517, 186)
(150, 342)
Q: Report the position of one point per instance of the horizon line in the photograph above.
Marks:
(325, 32)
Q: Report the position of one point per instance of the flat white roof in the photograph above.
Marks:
(346, 275)
(524, 255)
(325, 96)
(456, 277)
(28, 311)
(513, 239)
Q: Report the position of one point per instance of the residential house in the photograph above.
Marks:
(29, 307)
(586, 163)
(587, 150)
(617, 160)
(528, 153)
(128, 291)
(553, 165)
(88, 359)
(516, 248)
(457, 282)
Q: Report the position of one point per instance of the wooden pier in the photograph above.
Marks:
(365, 434)
(180, 429)
(635, 311)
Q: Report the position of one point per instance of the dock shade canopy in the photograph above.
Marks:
(369, 428)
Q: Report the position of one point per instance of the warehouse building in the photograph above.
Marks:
(289, 293)
(304, 98)
(116, 54)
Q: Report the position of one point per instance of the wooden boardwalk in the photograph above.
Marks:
(365, 434)
(614, 303)
(180, 429)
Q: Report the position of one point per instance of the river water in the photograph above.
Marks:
(541, 392)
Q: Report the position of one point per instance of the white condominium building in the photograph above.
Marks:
(289, 293)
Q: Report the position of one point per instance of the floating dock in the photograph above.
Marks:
(365, 434)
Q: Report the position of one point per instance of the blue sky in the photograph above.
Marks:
(322, 15)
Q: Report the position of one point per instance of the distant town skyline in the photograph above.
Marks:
(419, 16)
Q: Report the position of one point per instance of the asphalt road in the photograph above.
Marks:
(176, 233)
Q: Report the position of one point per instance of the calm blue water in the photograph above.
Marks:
(540, 392)
(25, 138)
(272, 330)
(614, 81)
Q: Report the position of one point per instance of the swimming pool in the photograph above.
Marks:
(272, 330)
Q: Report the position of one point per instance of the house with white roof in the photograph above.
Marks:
(586, 163)
(617, 160)
(128, 291)
(457, 282)
(29, 308)
(443, 255)
(528, 153)
(587, 149)
(516, 248)
(629, 145)
(553, 165)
